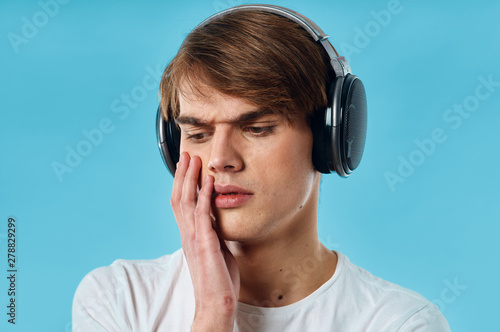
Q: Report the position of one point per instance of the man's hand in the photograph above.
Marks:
(213, 269)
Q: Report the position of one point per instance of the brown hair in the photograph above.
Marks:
(263, 58)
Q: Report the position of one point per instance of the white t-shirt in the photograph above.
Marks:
(157, 295)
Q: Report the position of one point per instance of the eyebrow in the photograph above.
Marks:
(242, 118)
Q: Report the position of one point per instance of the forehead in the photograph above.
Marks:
(211, 106)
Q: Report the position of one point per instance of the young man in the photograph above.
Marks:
(244, 89)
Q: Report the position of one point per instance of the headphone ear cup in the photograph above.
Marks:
(168, 136)
(350, 133)
(324, 130)
(339, 130)
(321, 125)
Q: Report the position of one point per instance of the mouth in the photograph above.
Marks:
(230, 196)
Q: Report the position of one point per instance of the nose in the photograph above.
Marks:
(225, 155)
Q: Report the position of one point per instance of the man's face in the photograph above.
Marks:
(265, 183)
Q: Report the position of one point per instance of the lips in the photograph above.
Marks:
(230, 196)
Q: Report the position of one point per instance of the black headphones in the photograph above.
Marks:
(339, 130)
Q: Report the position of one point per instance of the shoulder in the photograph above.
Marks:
(393, 306)
(121, 273)
(108, 293)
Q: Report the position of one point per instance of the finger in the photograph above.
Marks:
(203, 221)
(190, 185)
(189, 194)
(176, 196)
(180, 174)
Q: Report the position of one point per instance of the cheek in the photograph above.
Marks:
(293, 154)
(288, 166)
(193, 150)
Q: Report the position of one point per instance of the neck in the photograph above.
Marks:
(285, 268)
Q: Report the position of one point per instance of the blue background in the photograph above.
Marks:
(434, 226)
